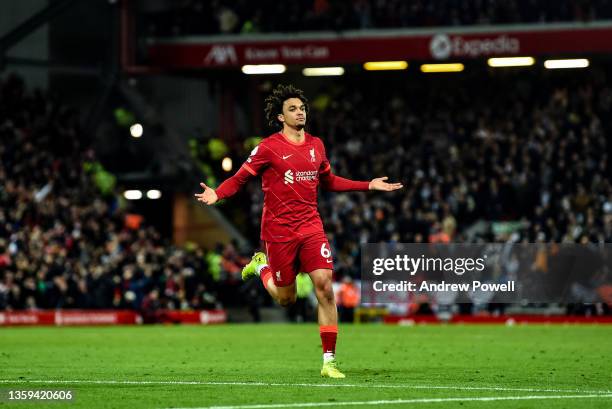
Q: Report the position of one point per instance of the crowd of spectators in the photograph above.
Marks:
(527, 148)
(63, 244)
(233, 17)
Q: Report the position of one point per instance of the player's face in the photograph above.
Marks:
(294, 113)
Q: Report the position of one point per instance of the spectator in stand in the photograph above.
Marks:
(348, 299)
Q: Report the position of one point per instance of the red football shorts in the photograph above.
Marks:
(301, 255)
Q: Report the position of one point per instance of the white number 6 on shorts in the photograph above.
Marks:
(325, 252)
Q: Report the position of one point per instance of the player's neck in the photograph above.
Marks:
(293, 134)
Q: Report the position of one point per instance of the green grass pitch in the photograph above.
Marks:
(277, 365)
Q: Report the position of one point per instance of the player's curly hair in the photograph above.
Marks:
(274, 102)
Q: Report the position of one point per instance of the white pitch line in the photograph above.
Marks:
(307, 385)
(398, 401)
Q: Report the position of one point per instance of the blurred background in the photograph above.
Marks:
(494, 114)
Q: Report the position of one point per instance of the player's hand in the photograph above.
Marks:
(381, 184)
(208, 196)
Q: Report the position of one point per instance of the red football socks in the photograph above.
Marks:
(329, 333)
(265, 275)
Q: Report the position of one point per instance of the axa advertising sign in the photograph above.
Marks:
(235, 54)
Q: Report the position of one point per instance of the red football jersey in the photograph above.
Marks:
(290, 178)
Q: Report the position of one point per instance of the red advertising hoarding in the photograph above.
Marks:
(201, 52)
(105, 317)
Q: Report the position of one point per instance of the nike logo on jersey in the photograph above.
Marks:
(329, 261)
(287, 156)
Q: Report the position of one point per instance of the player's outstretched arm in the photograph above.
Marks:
(382, 184)
(228, 188)
(208, 196)
(334, 183)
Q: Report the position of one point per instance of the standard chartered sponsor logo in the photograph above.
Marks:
(289, 177)
(301, 176)
(306, 175)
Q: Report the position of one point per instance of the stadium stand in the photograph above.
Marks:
(490, 146)
(233, 17)
(63, 243)
(498, 154)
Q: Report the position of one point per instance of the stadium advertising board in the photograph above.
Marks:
(194, 52)
(106, 317)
